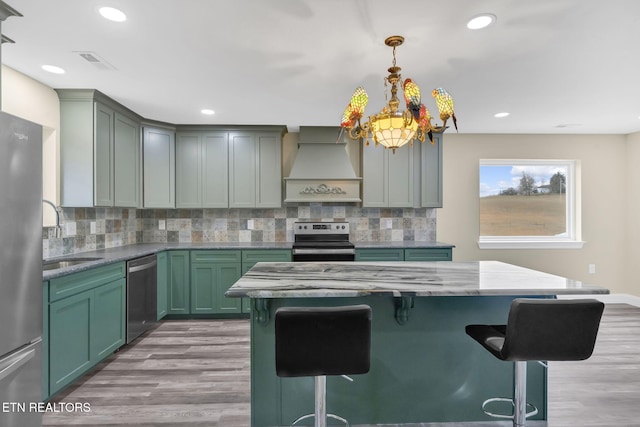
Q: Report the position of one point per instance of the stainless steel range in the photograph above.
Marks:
(322, 241)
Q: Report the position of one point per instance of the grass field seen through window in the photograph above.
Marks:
(535, 215)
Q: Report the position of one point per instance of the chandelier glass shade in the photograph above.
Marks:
(391, 127)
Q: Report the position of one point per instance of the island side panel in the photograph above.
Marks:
(427, 370)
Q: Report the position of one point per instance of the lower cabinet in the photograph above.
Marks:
(178, 282)
(212, 274)
(163, 281)
(400, 254)
(197, 280)
(85, 322)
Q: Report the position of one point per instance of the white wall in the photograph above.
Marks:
(31, 100)
(604, 202)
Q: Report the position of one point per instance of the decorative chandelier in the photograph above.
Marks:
(392, 127)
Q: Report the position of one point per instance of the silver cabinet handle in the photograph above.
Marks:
(16, 364)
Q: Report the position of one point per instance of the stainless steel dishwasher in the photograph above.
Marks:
(141, 295)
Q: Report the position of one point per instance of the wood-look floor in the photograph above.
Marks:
(196, 373)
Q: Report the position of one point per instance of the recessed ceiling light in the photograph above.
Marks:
(112, 14)
(53, 69)
(481, 21)
(207, 112)
(501, 115)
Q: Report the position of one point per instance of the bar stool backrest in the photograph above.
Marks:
(315, 341)
(544, 329)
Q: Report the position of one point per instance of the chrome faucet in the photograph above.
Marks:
(58, 226)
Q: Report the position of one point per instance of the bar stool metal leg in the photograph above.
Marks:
(520, 395)
(321, 401)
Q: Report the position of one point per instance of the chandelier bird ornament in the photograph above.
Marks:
(391, 127)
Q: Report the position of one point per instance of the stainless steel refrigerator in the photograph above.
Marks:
(20, 271)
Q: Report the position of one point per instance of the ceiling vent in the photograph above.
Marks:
(97, 61)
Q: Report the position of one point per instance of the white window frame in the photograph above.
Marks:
(573, 237)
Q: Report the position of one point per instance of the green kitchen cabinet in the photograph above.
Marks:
(431, 173)
(85, 322)
(159, 167)
(212, 274)
(251, 257)
(404, 254)
(178, 295)
(45, 340)
(380, 254)
(255, 169)
(428, 254)
(202, 169)
(100, 161)
(126, 162)
(162, 283)
(108, 326)
(388, 178)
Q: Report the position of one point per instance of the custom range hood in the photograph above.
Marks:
(322, 171)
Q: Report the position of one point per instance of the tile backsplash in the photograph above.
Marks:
(85, 229)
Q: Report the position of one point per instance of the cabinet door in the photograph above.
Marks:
(374, 177)
(103, 161)
(431, 180)
(215, 175)
(108, 319)
(69, 339)
(126, 162)
(159, 168)
(178, 295)
(188, 171)
(400, 177)
(242, 170)
(226, 274)
(163, 265)
(269, 172)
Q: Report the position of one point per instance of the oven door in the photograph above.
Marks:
(323, 254)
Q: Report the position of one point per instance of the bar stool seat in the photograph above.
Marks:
(321, 341)
(539, 330)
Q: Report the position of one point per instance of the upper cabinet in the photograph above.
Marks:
(159, 166)
(201, 166)
(239, 168)
(431, 169)
(388, 177)
(100, 160)
(410, 177)
(255, 169)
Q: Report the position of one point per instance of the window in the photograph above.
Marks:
(529, 204)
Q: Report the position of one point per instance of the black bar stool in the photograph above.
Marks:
(541, 330)
(321, 341)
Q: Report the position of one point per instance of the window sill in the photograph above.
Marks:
(529, 244)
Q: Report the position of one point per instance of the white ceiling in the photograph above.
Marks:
(558, 66)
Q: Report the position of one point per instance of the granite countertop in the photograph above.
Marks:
(125, 253)
(440, 278)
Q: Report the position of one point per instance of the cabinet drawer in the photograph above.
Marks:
(253, 256)
(387, 254)
(427, 254)
(221, 255)
(72, 284)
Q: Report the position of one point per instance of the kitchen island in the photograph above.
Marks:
(423, 366)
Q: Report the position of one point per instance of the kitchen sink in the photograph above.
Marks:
(68, 262)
